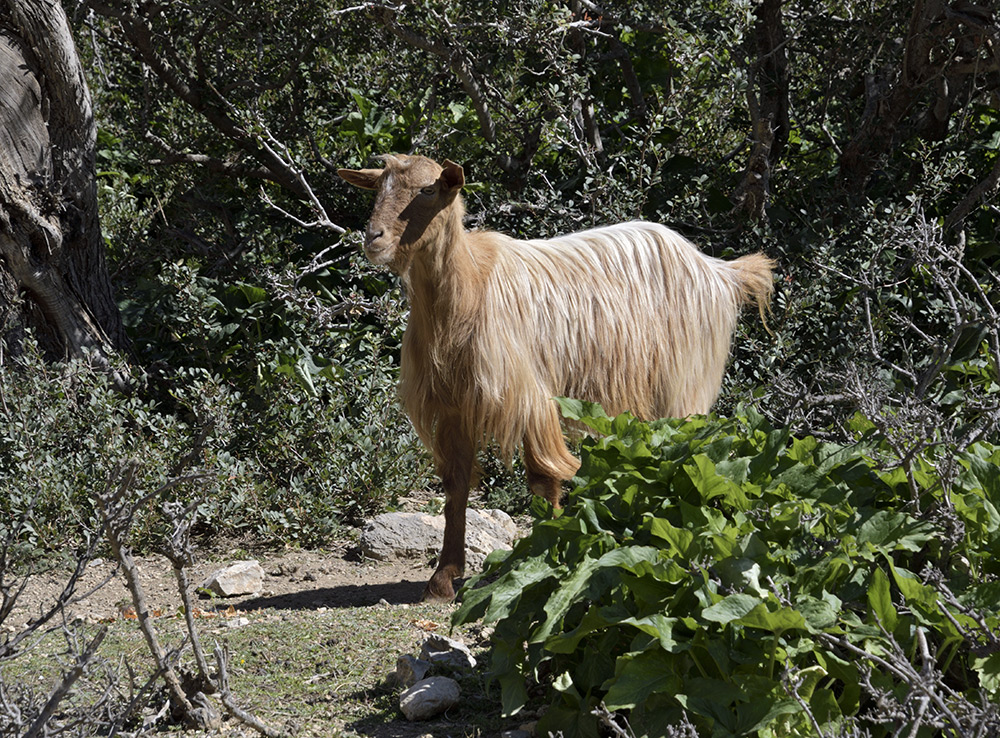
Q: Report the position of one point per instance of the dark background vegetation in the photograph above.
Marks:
(855, 143)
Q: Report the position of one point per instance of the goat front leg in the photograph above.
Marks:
(454, 453)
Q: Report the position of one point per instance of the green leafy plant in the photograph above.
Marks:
(727, 573)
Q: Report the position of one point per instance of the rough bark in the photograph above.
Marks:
(53, 275)
(767, 102)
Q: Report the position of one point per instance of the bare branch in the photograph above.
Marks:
(201, 95)
(226, 696)
(455, 58)
(978, 195)
(117, 520)
(39, 728)
(322, 220)
(203, 160)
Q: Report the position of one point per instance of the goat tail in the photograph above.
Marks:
(755, 280)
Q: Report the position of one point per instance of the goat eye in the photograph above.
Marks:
(428, 191)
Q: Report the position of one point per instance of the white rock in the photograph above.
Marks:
(410, 670)
(439, 649)
(429, 697)
(239, 578)
(419, 535)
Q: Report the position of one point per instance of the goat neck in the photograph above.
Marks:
(445, 283)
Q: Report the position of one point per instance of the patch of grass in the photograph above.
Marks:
(317, 672)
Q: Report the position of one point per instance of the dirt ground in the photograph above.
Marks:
(294, 579)
(296, 582)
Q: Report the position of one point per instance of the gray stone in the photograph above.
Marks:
(442, 650)
(429, 697)
(410, 670)
(239, 578)
(485, 532)
(419, 535)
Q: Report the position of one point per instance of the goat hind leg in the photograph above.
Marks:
(546, 458)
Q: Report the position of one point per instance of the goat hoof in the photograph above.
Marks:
(438, 590)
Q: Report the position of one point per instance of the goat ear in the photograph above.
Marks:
(363, 178)
(453, 176)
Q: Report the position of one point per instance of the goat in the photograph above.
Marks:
(632, 316)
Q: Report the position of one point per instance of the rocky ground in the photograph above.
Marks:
(391, 563)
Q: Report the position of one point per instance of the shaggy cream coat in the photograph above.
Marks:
(632, 316)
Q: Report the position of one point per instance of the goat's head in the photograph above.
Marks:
(414, 195)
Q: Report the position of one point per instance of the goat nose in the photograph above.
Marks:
(372, 233)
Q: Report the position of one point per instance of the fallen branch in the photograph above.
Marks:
(226, 697)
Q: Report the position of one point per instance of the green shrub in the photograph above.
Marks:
(285, 465)
(754, 583)
(65, 431)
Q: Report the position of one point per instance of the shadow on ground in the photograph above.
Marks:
(406, 592)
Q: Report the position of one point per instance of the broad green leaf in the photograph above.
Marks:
(712, 699)
(741, 573)
(761, 711)
(977, 510)
(596, 619)
(913, 590)
(565, 595)
(892, 530)
(825, 706)
(988, 669)
(589, 413)
(506, 665)
(680, 539)
(819, 614)
(735, 470)
(988, 475)
(660, 627)
(501, 596)
(710, 484)
(777, 621)
(807, 679)
(638, 675)
(730, 608)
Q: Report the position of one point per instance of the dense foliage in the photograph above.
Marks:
(755, 583)
(222, 124)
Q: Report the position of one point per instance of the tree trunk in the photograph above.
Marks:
(53, 276)
(767, 102)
